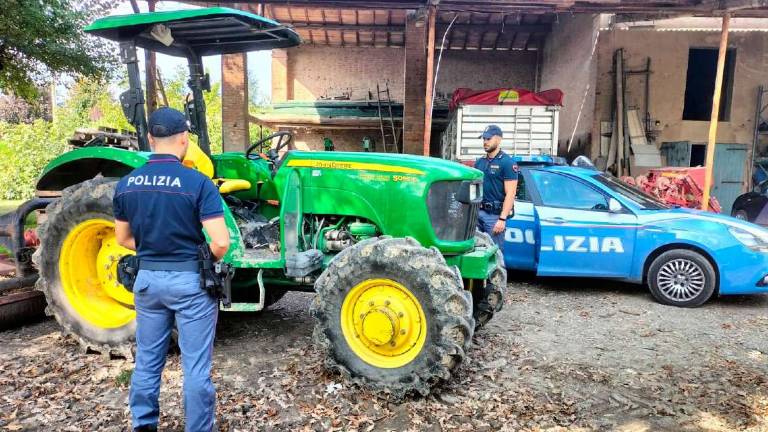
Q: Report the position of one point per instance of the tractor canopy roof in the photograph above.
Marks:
(208, 31)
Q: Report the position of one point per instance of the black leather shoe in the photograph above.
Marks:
(146, 428)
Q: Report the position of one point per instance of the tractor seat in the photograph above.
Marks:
(198, 160)
(232, 185)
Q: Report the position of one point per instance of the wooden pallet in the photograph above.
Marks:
(104, 137)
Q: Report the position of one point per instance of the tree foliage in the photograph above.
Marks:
(39, 38)
(26, 148)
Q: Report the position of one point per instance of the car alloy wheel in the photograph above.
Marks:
(681, 280)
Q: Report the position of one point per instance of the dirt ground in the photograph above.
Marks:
(562, 355)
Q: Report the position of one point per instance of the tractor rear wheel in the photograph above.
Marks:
(489, 299)
(392, 316)
(77, 262)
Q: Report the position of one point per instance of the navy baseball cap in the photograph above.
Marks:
(490, 131)
(166, 122)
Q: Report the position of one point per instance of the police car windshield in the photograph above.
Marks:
(642, 199)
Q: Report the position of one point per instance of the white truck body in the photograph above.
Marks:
(528, 130)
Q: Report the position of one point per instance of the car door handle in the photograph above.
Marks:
(554, 220)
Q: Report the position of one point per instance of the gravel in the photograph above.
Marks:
(563, 355)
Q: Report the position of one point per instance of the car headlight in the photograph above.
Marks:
(758, 242)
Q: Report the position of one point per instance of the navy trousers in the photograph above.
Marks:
(485, 223)
(162, 297)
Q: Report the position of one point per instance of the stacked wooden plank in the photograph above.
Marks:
(104, 137)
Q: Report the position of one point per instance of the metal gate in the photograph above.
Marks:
(728, 173)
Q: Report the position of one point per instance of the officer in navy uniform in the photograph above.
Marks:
(160, 211)
(499, 185)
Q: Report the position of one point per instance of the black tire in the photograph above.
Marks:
(87, 200)
(447, 311)
(682, 278)
(488, 298)
(741, 214)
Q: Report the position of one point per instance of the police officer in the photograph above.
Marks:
(160, 211)
(499, 185)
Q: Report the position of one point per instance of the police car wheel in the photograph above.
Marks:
(682, 278)
(392, 316)
(77, 261)
(741, 214)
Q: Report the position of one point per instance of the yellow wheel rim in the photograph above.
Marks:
(88, 269)
(383, 323)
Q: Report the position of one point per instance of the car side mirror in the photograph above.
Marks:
(614, 206)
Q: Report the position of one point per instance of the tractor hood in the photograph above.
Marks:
(404, 196)
(207, 31)
(424, 168)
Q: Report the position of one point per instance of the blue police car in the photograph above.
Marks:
(572, 221)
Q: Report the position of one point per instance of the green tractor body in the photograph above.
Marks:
(387, 241)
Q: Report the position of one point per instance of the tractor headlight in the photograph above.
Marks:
(475, 191)
(753, 239)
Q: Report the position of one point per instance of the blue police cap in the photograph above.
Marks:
(490, 131)
(166, 122)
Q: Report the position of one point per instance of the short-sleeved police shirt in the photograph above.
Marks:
(495, 172)
(165, 203)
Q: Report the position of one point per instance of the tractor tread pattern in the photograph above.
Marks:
(448, 304)
(93, 195)
(492, 298)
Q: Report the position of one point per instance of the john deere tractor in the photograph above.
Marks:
(386, 241)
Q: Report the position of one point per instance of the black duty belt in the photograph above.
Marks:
(191, 266)
(491, 207)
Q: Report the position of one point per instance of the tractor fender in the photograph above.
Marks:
(85, 163)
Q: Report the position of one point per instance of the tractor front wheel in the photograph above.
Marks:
(77, 261)
(392, 316)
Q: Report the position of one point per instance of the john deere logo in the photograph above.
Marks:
(509, 96)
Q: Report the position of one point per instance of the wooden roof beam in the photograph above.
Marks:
(735, 5)
(511, 28)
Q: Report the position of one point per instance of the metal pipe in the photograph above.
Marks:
(18, 282)
(133, 100)
(756, 135)
(197, 83)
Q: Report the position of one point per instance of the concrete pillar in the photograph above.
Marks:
(281, 84)
(234, 107)
(415, 79)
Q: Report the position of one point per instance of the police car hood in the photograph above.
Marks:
(686, 214)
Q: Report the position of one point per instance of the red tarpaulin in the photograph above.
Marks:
(505, 96)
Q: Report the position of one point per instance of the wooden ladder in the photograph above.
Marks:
(389, 135)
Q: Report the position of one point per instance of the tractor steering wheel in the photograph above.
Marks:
(283, 139)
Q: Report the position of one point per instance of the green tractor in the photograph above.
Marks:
(386, 241)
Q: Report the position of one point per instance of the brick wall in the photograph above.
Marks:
(570, 64)
(415, 75)
(326, 72)
(485, 69)
(343, 139)
(281, 86)
(234, 109)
